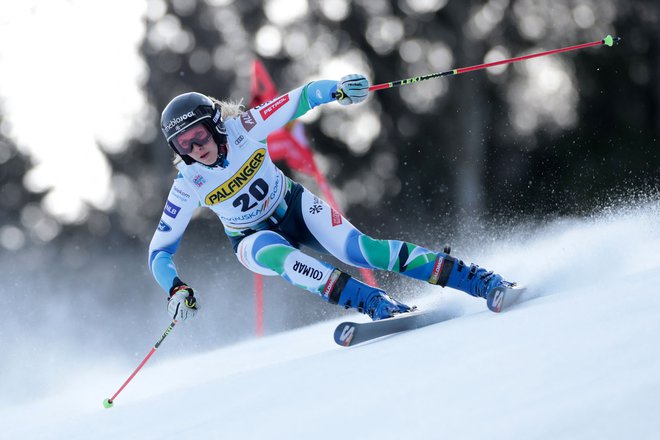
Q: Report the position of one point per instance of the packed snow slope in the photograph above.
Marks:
(579, 359)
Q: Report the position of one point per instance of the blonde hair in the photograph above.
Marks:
(228, 109)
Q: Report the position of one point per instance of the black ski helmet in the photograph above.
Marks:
(187, 110)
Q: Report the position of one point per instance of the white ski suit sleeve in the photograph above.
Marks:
(276, 113)
(183, 199)
(178, 211)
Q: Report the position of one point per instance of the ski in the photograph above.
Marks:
(503, 298)
(352, 333)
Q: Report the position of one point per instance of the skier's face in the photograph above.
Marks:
(197, 142)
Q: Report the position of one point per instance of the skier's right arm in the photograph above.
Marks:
(266, 118)
(177, 213)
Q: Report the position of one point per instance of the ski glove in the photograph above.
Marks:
(352, 89)
(182, 304)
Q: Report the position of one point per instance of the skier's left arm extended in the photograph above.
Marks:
(262, 120)
(178, 211)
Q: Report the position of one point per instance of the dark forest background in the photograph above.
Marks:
(436, 162)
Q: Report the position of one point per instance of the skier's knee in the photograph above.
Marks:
(364, 251)
(264, 252)
(273, 256)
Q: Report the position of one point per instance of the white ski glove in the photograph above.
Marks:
(182, 304)
(352, 89)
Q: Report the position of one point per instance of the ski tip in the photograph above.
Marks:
(344, 333)
(495, 299)
(502, 297)
(107, 403)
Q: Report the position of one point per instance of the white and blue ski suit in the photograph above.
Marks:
(267, 216)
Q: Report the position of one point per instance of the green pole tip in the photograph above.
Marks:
(107, 403)
(608, 41)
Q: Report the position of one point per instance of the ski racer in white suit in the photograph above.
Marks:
(226, 167)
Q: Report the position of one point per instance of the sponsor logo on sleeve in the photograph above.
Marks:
(179, 194)
(273, 106)
(336, 217)
(171, 209)
(164, 227)
(248, 120)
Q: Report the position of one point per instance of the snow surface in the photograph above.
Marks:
(578, 360)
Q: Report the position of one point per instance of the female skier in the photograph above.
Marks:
(225, 166)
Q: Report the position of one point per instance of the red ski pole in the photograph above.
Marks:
(607, 41)
(109, 402)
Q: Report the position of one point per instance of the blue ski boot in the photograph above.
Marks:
(473, 280)
(346, 291)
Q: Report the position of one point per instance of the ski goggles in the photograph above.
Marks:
(185, 141)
